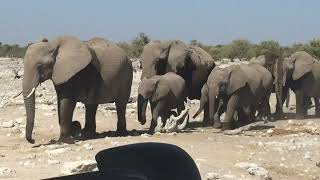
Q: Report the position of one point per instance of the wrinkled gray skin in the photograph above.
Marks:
(92, 72)
(302, 75)
(275, 66)
(240, 88)
(190, 62)
(164, 92)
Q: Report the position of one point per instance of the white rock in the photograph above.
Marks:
(307, 155)
(270, 131)
(53, 162)
(254, 169)
(26, 163)
(259, 171)
(145, 135)
(88, 147)
(212, 176)
(49, 114)
(19, 120)
(7, 172)
(55, 152)
(78, 167)
(115, 143)
(8, 124)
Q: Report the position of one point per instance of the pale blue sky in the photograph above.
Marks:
(209, 21)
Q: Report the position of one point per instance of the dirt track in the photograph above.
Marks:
(290, 151)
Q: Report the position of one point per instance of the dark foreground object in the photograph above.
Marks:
(142, 161)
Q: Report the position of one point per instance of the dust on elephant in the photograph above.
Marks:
(302, 75)
(92, 72)
(189, 61)
(241, 88)
(164, 92)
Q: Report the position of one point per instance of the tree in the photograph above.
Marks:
(314, 46)
(138, 43)
(239, 48)
(271, 49)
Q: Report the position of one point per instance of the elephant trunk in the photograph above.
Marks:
(142, 107)
(279, 82)
(29, 84)
(203, 101)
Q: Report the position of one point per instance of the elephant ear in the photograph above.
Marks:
(302, 65)
(177, 55)
(237, 80)
(72, 57)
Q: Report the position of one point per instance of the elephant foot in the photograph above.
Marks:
(66, 139)
(300, 116)
(227, 126)
(122, 133)
(88, 134)
(217, 125)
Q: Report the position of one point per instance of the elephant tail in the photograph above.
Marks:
(203, 100)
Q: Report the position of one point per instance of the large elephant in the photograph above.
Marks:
(275, 66)
(302, 75)
(240, 87)
(164, 92)
(92, 72)
(190, 62)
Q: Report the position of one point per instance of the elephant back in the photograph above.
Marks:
(108, 58)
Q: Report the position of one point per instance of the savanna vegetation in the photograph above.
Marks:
(238, 49)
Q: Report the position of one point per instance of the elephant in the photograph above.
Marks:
(164, 92)
(274, 64)
(302, 75)
(237, 88)
(189, 61)
(92, 72)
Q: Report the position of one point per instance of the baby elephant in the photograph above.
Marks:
(164, 92)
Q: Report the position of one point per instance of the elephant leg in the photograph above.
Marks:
(156, 110)
(121, 113)
(90, 125)
(300, 110)
(317, 106)
(66, 109)
(231, 107)
(206, 120)
(217, 115)
(279, 106)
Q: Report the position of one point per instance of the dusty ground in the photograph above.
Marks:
(289, 151)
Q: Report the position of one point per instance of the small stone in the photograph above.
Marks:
(318, 164)
(115, 143)
(88, 147)
(8, 124)
(26, 163)
(75, 167)
(32, 156)
(145, 135)
(212, 176)
(55, 152)
(260, 144)
(270, 131)
(307, 155)
(7, 172)
(53, 162)
(49, 114)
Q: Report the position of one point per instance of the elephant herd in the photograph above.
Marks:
(98, 71)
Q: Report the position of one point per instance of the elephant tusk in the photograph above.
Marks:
(17, 95)
(32, 91)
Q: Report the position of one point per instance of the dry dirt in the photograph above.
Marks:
(289, 151)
